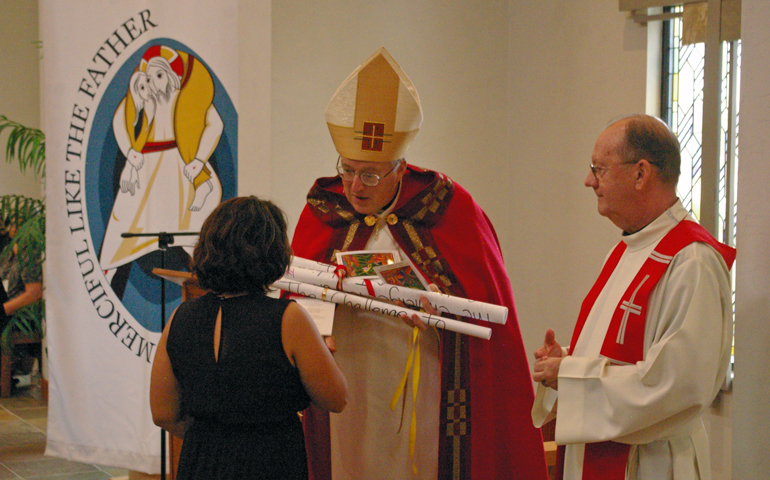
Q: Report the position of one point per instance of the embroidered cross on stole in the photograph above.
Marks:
(624, 341)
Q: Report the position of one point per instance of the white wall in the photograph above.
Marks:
(751, 388)
(19, 95)
(254, 147)
(573, 67)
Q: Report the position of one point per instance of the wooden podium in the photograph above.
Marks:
(190, 289)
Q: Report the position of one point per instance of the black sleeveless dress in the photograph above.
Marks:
(244, 405)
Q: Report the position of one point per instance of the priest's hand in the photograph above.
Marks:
(547, 371)
(548, 358)
(550, 348)
(414, 320)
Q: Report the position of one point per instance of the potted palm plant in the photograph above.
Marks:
(27, 147)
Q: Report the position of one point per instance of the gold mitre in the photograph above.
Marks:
(375, 113)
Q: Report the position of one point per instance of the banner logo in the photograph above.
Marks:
(152, 149)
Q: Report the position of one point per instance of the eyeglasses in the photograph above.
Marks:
(599, 171)
(370, 179)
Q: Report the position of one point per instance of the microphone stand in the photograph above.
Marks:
(164, 240)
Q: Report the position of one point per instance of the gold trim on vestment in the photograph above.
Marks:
(413, 236)
(321, 206)
(351, 234)
(344, 213)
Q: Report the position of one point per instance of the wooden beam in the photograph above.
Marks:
(643, 19)
(630, 5)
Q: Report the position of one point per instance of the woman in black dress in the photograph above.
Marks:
(233, 367)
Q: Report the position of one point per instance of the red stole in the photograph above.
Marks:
(624, 341)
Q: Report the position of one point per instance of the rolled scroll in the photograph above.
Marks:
(302, 271)
(342, 298)
(312, 264)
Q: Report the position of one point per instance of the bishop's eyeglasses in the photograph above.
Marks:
(370, 179)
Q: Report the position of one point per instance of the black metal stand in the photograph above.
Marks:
(164, 240)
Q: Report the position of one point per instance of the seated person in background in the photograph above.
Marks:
(22, 285)
(233, 367)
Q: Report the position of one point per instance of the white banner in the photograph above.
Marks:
(140, 114)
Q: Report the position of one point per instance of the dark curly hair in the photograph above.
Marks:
(243, 247)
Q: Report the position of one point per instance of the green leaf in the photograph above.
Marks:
(28, 214)
(27, 320)
(25, 145)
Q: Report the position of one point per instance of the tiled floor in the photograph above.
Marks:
(22, 444)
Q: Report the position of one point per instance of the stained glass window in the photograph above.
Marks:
(682, 108)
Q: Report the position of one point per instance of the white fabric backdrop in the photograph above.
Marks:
(100, 351)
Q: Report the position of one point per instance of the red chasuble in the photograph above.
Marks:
(486, 429)
(624, 341)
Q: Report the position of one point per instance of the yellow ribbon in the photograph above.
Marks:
(413, 359)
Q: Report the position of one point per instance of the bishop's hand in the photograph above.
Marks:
(414, 320)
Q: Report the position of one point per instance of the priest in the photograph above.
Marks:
(652, 341)
(427, 404)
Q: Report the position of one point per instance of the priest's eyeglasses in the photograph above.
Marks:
(370, 179)
(599, 171)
